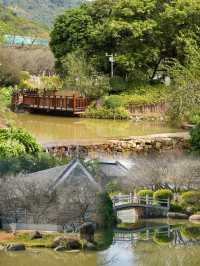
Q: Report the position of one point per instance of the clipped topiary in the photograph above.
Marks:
(143, 194)
(162, 195)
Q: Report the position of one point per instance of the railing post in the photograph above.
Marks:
(130, 197)
(74, 103)
(168, 203)
(147, 199)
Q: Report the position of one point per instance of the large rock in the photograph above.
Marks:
(177, 215)
(36, 235)
(195, 217)
(87, 231)
(60, 248)
(73, 244)
(59, 241)
(90, 246)
(15, 247)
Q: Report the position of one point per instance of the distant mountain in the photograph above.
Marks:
(16, 25)
(43, 11)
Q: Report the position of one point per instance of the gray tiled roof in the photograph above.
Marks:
(53, 177)
(113, 169)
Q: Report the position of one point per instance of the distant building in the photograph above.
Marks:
(76, 190)
(16, 40)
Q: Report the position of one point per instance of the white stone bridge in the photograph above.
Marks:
(145, 207)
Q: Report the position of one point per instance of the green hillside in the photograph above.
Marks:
(11, 23)
(43, 11)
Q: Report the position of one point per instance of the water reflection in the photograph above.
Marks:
(154, 244)
(52, 128)
(142, 244)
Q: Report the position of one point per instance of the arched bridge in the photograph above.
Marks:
(122, 202)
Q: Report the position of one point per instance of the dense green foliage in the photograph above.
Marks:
(82, 76)
(144, 35)
(191, 200)
(163, 194)
(27, 163)
(195, 139)
(11, 23)
(17, 142)
(5, 99)
(184, 102)
(175, 207)
(105, 210)
(119, 113)
(145, 192)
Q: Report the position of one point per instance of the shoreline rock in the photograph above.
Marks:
(177, 215)
(195, 217)
(141, 144)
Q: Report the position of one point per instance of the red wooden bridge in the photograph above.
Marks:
(33, 101)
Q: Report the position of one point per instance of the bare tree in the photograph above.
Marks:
(163, 171)
(31, 202)
(76, 204)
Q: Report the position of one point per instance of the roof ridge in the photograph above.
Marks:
(68, 166)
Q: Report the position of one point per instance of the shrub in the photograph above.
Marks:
(163, 194)
(174, 207)
(195, 139)
(20, 142)
(114, 101)
(143, 193)
(191, 199)
(105, 211)
(106, 113)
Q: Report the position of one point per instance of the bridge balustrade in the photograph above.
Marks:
(123, 200)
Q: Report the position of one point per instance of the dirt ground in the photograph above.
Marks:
(6, 236)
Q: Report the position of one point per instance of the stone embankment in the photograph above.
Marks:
(143, 144)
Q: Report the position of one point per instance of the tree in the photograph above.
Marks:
(144, 35)
(185, 95)
(28, 201)
(164, 172)
(82, 77)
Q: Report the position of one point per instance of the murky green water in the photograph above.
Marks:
(52, 128)
(149, 244)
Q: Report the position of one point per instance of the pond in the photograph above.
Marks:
(52, 128)
(148, 243)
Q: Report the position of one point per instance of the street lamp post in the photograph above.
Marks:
(112, 61)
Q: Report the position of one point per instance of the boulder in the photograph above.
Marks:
(87, 231)
(15, 247)
(60, 248)
(177, 215)
(195, 217)
(90, 246)
(58, 241)
(36, 235)
(73, 244)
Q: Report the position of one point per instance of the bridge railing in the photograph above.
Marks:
(119, 200)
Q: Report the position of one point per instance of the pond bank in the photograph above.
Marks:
(140, 144)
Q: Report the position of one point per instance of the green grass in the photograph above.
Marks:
(25, 238)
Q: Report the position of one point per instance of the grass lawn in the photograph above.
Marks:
(25, 238)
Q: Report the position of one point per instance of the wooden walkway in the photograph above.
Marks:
(71, 104)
